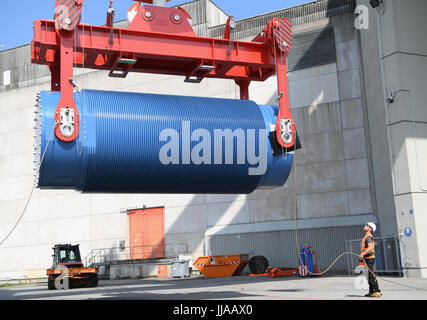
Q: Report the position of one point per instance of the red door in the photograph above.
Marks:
(146, 233)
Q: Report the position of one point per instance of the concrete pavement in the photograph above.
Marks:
(235, 288)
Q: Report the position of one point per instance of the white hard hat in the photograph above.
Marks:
(372, 225)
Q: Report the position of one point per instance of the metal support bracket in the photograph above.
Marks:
(67, 18)
(121, 67)
(286, 130)
(281, 37)
(197, 75)
(66, 122)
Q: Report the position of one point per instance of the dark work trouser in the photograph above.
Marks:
(372, 280)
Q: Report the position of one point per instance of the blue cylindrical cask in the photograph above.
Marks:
(150, 143)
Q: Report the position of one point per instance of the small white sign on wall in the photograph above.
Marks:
(6, 78)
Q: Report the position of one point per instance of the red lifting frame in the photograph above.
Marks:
(160, 40)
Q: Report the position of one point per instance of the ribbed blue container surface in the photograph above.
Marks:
(149, 143)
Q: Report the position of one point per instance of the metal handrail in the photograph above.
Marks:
(88, 260)
(141, 252)
(384, 254)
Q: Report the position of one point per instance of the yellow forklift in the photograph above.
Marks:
(68, 271)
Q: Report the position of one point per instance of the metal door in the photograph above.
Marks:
(146, 233)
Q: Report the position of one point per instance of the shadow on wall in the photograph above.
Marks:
(190, 224)
(317, 47)
(205, 211)
(313, 49)
(223, 211)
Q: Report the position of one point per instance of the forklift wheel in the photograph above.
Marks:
(51, 284)
(93, 281)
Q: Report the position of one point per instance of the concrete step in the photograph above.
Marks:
(135, 269)
(133, 261)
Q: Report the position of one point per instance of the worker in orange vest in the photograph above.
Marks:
(367, 257)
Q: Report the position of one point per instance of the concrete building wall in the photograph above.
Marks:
(331, 190)
(395, 59)
(332, 169)
(280, 247)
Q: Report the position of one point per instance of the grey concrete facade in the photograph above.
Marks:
(395, 60)
(340, 178)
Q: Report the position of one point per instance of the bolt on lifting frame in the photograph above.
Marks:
(159, 40)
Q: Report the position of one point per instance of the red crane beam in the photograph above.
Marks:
(169, 53)
(159, 40)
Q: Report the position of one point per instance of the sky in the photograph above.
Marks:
(16, 17)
